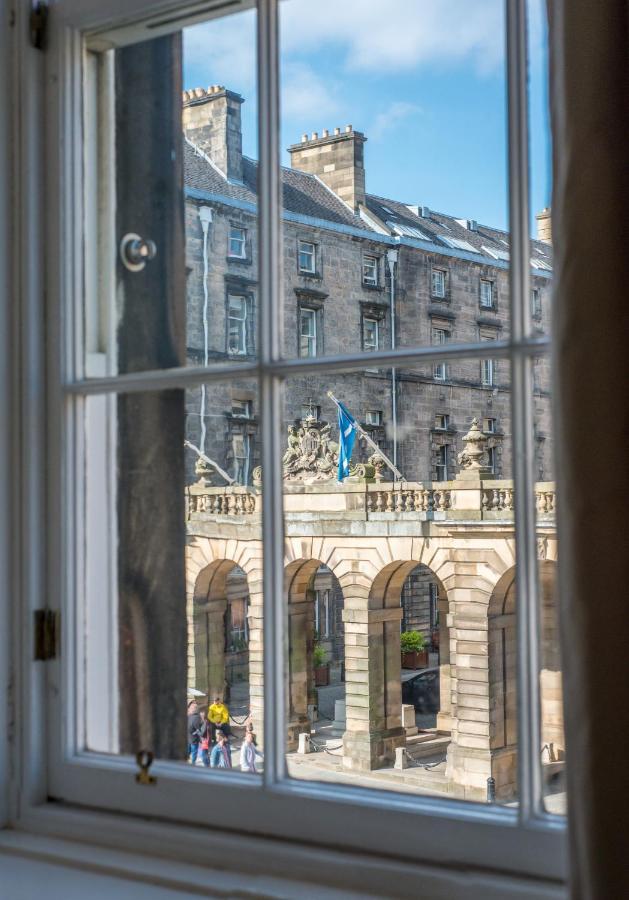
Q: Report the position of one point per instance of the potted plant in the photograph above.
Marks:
(321, 666)
(414, 652)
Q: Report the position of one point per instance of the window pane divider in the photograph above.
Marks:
(162, 379)
(527, 611)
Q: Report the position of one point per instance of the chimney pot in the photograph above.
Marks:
(337, 131)
(348, 129)
(304, 138)
(325, 133)
(544, 225)
(315, 136)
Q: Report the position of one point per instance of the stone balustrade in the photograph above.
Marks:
(479, 499)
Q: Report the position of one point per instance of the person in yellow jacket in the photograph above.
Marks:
(218, 715)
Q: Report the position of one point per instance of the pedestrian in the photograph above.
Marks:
(248, 753)
(194, 736)
(220, 757)
(205, 734)
(218, 714)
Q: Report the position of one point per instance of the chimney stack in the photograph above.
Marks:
(337, 159)
(211, 120)
(544, 225)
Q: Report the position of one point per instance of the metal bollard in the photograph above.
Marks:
(491, 790)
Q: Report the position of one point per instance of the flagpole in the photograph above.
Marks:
(361, 431)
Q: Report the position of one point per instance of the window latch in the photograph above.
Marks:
(135, 252)
(38, 25)
(46, 631)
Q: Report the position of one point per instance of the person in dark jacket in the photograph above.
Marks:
(194, 732)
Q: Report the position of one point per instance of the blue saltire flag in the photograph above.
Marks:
(347, 436)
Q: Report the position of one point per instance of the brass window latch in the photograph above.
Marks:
(144, 759)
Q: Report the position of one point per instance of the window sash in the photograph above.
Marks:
(307, 257)
(237, 325)
(237, 243)
(370, 270)
(100, 781)
(371, 334)
(438, 283)
(486, 293)
(307, 332)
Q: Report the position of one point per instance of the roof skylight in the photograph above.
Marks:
(457, 243)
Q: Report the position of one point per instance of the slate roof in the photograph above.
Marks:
(301, 193)
(306, 195)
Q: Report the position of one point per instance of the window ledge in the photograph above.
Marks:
(94, 849)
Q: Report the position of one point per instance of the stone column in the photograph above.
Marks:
(299, 639)
(209, 647)
(444, 716)
(373, 699)
(256, 672)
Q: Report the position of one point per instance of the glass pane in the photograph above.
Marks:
(172, 200)
(553, 742)
(540, 168)
(409, 683)
(173, 574)
(402, 216)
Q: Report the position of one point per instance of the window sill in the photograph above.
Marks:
(96, 847)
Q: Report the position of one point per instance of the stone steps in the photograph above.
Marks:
(423, 746)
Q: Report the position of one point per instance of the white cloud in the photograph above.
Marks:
(385, 121)
(224, 51)
(304, 91)
(398, 36)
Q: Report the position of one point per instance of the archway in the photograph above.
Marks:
(424, 610)
(503, 678)
(221, 635)
(315, 634)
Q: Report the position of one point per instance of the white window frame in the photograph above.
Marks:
(368, 346)
(487, 372)
(244, 412)
(371, 263)
(242, 463)
(442, 467)
(487, 428)
(239, 242)
(487, 291)
(439, 337)
(446, 421)
(241, 325)
(516, 841)
(312, 254)
(438, 276)
(491, 460)
(373, 417)
(312, 337)
(536, 303)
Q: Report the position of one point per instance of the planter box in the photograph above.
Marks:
(415, 659)
(322, 675)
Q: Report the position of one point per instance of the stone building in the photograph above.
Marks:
(360, 273)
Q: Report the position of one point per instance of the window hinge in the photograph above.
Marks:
(46, 634)
(38, 25)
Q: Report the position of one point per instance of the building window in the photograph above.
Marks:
(241, 409)
(322, 613)
(440, 369)
(370, 270)
(491, 460)
(442, 462)
(487, 372)
(489, 426)
(307, 331)
(442, 421)
(237, 325)
(486, 293)
(241, 448)
(307, 257)
(371, 334)
(536, 303)
(438, 283)
(237, 242)
(373, 417)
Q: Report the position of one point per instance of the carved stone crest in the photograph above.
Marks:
(311, 454)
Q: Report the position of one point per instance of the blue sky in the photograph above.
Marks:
(424, 81)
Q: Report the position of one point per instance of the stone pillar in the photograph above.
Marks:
(373, 699)
(209, 647)
(299, 664)
(444, 716)
(469, 760)
(256, 673)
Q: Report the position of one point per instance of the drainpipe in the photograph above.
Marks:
(392, 257)
(205, 215)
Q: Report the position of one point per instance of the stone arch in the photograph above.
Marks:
(300, 578)
(502, 687)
